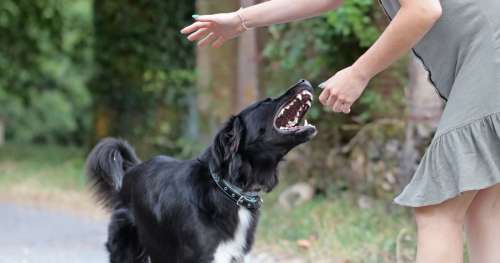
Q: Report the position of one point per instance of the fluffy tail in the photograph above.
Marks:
(106, 166)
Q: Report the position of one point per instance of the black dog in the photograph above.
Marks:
(206, 209)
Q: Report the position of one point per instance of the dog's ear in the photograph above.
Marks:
(227, 141)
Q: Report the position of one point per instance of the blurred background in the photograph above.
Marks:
(74, 71)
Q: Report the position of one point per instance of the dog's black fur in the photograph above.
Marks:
(168, 210)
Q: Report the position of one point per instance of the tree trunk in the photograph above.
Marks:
(2, 131)
(228, 76)
(424, 109)
(248, 61)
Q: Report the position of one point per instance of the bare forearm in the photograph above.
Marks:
(283, 11)
(410, 24)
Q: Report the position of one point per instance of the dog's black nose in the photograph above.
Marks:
(305, 82)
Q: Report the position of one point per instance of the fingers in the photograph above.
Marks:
(195, 26)
(342, 105)
(331, 99)
(198, 34)
(323, 97)
(338, 106)
(346, 109)
(207, 40)
(330, 102)
(218, 43)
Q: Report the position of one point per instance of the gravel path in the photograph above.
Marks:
(35, 235)
(30, 235)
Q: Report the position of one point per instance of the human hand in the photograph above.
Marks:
(343, 89)
(215, 29)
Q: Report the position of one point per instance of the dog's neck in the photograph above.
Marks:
(234, 192)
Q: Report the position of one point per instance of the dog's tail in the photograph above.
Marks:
(105, 167)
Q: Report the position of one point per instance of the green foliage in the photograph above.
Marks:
(354, 20)
(317, 48)
(144, 69)
(314, 49)
(45, 60)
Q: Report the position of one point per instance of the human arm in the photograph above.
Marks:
(411, 23)
(218, 28)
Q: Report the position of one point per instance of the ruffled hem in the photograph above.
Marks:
(461, 159)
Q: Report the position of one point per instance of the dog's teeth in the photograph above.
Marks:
(309, 103)
(305, 122)
(299, 97)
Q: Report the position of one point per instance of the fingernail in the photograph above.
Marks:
(322, 85)
(195, 16)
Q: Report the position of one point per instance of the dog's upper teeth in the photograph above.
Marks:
(305, 122)
(309, 103)
(305, 92)
(299, 97)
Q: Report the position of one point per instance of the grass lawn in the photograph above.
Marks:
(323, 230)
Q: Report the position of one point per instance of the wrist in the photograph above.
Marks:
(362, 72)
(242, 20)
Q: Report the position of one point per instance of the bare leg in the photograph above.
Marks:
(483, 226)
(440, 230)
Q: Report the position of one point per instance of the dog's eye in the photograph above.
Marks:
(262, 131)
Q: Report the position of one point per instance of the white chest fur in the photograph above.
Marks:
(234, 248)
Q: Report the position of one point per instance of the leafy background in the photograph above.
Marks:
(74, 71)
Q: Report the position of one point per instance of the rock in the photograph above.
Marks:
(304, 243)
(295, 195)
(267, 258)
(365, 202)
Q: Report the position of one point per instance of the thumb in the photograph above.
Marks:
(323, 97)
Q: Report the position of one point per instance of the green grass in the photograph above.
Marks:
(50, 167)
(336, 228)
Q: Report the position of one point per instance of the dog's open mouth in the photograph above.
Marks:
(290, 116)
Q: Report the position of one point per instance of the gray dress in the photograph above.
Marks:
(462, 54)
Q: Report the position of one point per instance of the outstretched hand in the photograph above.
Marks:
(342, 90)
(214, 29)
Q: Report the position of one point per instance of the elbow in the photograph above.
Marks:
(435, 12)
(428, 11)
(333, 4)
